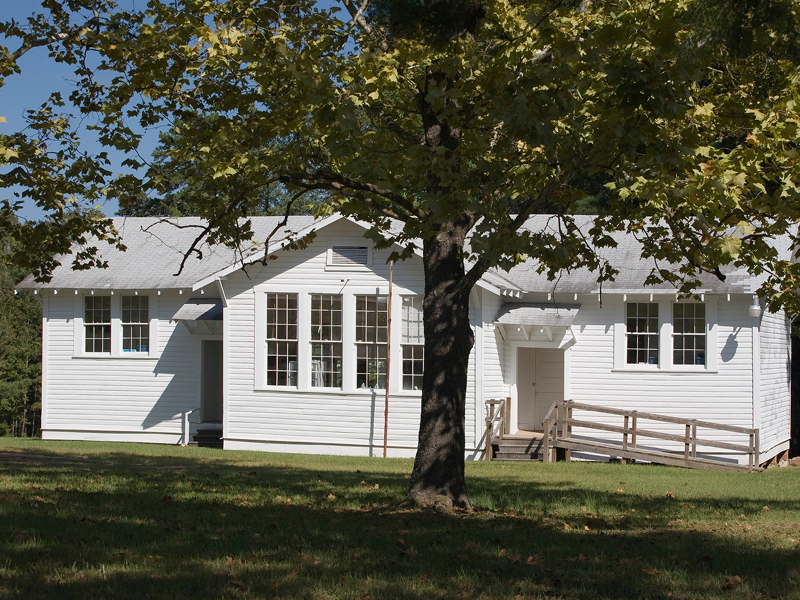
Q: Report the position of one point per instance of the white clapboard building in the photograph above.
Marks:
(291, 355)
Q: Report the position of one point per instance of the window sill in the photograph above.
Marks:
(338, 392)
(125, 356)
(656, 369)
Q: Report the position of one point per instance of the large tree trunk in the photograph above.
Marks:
(438, 476)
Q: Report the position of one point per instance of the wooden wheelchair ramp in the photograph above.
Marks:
(689, 442)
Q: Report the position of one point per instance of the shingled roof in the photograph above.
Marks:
(156, 247)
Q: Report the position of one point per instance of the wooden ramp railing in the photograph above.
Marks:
(559, 423)
(496, 423)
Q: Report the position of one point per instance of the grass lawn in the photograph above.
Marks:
(99, 520)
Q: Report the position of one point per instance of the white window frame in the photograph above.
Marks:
(695, 335)
(404, 301)
(326, 342)
(79, 350)
(665, 331)
(348, 292)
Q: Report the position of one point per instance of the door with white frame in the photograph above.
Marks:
(540, 382)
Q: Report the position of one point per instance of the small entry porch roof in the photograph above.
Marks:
(201, 316)
(545, 315)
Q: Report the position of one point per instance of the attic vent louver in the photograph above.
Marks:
(349, 255)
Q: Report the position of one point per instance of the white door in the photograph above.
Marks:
(540, 382)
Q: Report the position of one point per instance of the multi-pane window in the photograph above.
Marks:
(372, 318)
(135, 324)
(689, 333)
(413, 342)
(642, 333)
(281, 339)
(97, 323)
(326, 340)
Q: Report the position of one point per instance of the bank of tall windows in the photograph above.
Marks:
(689, 333)
(135, 324)
(372, 318)
(642, 333)
(413, 343)
(281, 339)
(97, 323)
(326, 340)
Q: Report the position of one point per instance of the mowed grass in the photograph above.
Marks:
(99, 520)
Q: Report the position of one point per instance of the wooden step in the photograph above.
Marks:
(208, 438)
(518, 448)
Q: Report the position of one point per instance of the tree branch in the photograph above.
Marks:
(358, 18)
(59, 37)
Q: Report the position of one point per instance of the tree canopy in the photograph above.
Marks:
(457, 119)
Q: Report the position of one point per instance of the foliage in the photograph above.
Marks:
(458, 132)
(185, 191)
(90, 520)
(20, 355)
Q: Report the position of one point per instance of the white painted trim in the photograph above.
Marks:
(151, 437)
(226, 340)
(349, 341)
(756, 333)
(479, 366)
(260, 333)
(153, 347)
(665, 336)
(222, 294)
(45, 366)
(303, 340)
(513, 347)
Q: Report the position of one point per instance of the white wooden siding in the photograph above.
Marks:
(127, 398)
(722, 395)
(312, 420)
(775, 342)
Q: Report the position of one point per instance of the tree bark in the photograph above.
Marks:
(438, 477)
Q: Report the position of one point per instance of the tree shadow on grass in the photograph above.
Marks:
(220, 531)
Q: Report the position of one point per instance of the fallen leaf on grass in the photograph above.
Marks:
(239, 584)
(650, 571)
(582, 556)
(765, 509)
(731, 581)
(670, 495)
(792, 573)
(403, 532)
(377, 485)
(363, 482)
(331, 497)
(534, 559)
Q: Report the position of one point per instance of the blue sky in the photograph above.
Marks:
(39, 78)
